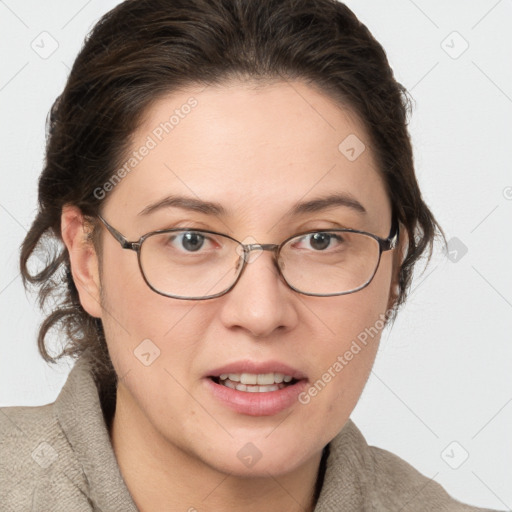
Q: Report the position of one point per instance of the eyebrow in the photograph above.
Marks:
(186, 203)
(211, 208)
(329, 201)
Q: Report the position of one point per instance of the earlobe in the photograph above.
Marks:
(82, 258)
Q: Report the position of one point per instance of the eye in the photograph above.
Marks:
(319, 241)
(192, 241)
(189, 241)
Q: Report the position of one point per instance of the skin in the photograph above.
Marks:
(256, 151)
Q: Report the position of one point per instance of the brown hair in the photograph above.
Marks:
(144, 49)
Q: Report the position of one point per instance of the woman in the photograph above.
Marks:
(233, 186)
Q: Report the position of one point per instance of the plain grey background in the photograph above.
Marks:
(441, 387)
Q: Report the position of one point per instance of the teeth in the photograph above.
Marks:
(262, 379)
(278, 378)
(265, 378)
(264, 389)
(229, 384)
(255, 383)
(249, 378)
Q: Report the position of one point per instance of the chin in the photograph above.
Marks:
(259, 458)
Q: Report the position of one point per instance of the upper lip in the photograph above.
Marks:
(248, 366)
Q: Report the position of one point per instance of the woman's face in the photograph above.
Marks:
(256, 154)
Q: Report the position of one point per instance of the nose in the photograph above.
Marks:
(261, 302)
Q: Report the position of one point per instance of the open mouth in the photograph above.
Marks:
(255, 383)
(256, 389)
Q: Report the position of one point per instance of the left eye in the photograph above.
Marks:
(318, 241)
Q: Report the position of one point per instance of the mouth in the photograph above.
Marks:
(256, 389)
(255, 382)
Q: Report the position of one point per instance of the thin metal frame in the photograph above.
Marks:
(385, 244)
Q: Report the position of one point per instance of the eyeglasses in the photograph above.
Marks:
(196, 264)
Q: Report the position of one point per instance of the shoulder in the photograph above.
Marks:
(34, 457)
(378, 480)
(59, 456)
(397, 483)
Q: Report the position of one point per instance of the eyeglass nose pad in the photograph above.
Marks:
(249, 250)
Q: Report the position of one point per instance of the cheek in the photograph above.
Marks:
(344, 357)
(138, 321)
(153, 341)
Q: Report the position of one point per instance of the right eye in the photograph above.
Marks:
(190, 241)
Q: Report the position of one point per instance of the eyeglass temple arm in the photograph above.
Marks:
(125, 244)
(392, 240)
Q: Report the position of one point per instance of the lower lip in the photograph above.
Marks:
(265, 403)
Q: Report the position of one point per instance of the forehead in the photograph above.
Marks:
(251, 148)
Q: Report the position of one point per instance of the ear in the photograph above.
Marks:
(82, 258)
(400, 252)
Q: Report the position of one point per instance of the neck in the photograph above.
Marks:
(163, 476)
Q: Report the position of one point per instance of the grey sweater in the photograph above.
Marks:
(58, 458)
